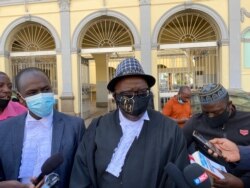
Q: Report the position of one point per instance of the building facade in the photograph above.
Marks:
(79, 43)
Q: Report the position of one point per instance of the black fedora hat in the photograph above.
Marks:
(129, 67)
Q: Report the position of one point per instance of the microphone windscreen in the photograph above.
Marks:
(52, 163)
(196, 176)
(49, 166)
(174, 172)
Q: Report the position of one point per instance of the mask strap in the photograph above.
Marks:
(19, 95)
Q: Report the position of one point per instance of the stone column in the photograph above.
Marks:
(67, 97)
(145, 24)
(234, 43)
(4, 62)
(224, 69)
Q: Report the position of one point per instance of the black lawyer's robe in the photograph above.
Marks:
(160, 142)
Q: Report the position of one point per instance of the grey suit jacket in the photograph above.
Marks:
(66, 135)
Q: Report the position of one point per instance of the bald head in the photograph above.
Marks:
(3, 74)
(185, 93)
(24, 75)
(184, 89)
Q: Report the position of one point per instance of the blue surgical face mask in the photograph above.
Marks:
(41, 104)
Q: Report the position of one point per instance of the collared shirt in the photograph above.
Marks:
(130, 130)
(36, 146)
(13, 109)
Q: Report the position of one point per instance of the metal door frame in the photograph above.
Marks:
(164, 95)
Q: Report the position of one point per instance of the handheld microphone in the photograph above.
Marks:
(50, 180)
(196, 176)
(49, 166)
(174, 172)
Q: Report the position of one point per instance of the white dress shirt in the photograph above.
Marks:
(36, 146)
(130, 130)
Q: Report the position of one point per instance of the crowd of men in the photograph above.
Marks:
(129, 147)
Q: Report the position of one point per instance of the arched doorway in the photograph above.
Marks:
(32, 45)
(189, 52)
(104, 42)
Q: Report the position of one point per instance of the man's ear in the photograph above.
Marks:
(230, 104)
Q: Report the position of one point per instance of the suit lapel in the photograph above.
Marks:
(17, 142)
(57, 133)
(113, 131)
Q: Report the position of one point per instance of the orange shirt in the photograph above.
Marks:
(176, 110)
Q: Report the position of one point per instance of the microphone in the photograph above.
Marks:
(49, 166)
(174, 172)
(50, 180)
(196, 176)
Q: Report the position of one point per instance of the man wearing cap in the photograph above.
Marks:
(220, 119)
(130, 146)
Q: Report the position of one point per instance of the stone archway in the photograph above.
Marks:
(4, 43)
(188, 47)
(32, 45)
(214, 16)
(104, 41)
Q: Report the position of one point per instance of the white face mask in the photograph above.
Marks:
(41, 104)
(180, 100)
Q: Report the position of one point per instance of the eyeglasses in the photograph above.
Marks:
(130, 94)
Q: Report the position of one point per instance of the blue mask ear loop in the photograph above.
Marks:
(21, 97)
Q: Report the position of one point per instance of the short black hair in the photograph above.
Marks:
(27, 70)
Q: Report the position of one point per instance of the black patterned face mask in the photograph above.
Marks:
(4, 103)
(219, 120)
(134, 106)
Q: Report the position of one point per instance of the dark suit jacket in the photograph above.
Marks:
(244, 163)
(66, 135)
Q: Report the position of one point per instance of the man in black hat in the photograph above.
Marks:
(131, 146)
(220, 119)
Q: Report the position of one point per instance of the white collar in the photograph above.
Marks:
(47, 121)
(123, 118)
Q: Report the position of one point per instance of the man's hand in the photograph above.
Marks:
(39, 185)
(182, 120)
(229, 150)
(230, 181)
(14, 184)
